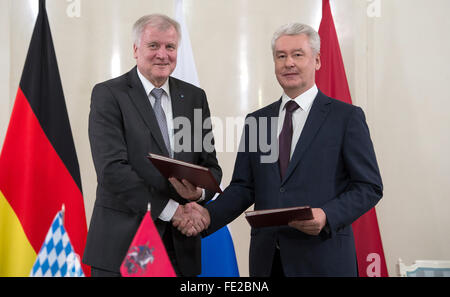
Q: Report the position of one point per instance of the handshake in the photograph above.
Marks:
(191, 219)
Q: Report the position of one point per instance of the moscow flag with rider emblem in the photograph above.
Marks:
(147, 256)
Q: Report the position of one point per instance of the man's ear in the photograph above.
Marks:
(135, 48)
(318, 62)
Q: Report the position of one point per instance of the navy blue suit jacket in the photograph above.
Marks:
(333, 167)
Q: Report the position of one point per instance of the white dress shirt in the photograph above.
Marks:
(299, 116)
(166, 104)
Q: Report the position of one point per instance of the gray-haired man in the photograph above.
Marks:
(131, 116)
(326, 160)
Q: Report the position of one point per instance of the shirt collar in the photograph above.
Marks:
(148, 86)
(304, 100)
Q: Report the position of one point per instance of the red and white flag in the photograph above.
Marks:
(147, 256)
(332, 81)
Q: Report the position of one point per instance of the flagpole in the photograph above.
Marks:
(63, 209)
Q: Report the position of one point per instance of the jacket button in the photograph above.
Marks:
(282, 190)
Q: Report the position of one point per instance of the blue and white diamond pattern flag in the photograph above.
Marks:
(57, 257)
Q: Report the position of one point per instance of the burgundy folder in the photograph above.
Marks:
(197, 175)
(278, 217)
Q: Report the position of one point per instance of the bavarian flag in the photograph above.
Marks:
(38, 165)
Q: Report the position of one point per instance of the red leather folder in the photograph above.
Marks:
(197, 175)
(278, 217)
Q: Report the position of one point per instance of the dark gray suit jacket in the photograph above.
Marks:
(333, 167)
(122, 131)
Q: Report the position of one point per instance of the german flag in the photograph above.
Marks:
(39, 170)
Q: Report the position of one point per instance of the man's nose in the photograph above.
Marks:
(161, 53)
(289, 62)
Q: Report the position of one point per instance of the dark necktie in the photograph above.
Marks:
(285, 139)
(161, 117)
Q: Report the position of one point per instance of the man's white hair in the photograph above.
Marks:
(160, 21)
(292, 29)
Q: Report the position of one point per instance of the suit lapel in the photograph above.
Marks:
(140, 99)
(318, 113)
(177, 99)
(180, 108)
(273, 112)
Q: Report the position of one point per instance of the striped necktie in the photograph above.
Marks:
(161, 117)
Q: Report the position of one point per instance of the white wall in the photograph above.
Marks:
(5, 97)
(410, 116)
(397, 66)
